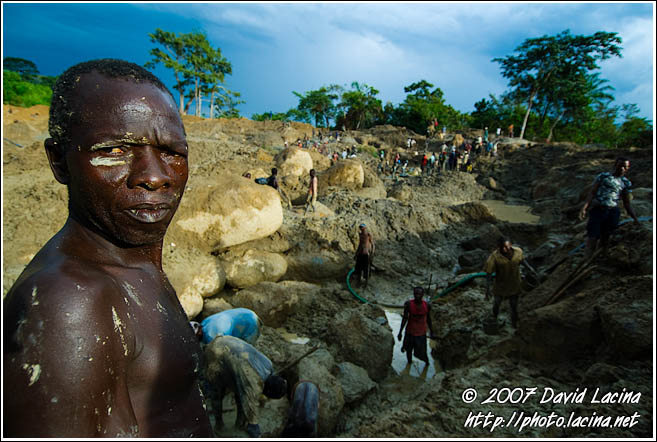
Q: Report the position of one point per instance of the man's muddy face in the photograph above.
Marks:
(622, 167)
(127, 159)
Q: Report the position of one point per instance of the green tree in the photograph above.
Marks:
(198, 68)
(295, 114)
(319, 104)
(226, 104)
(17, 92)
(207, 67)
(359, 107)
(173, 57)
(634, 131)
(572, 95)
(28, 71)
(270, 116)
(421, 106)
(26, 68)
(542, 62)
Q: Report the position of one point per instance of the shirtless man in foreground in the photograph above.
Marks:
(96, 342)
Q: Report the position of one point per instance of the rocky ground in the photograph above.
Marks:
(233, 244)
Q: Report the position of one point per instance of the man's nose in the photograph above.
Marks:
(149, 170)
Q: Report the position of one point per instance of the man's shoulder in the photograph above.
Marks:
(602, 175)
(64, 286)
(518, 253)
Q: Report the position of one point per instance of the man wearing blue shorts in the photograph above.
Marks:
(608, 189)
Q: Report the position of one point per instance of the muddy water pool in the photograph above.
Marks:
(511, 213)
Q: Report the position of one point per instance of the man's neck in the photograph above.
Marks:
(85, 243)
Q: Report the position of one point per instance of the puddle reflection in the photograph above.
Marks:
(417, 368)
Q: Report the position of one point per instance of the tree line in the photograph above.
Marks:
(554, 92)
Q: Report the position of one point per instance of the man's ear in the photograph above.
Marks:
(57, 158)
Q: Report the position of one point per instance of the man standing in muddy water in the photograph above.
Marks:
(96, 342)
(417, 315)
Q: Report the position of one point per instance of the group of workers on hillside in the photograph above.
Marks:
(96, 342)
(449, 158)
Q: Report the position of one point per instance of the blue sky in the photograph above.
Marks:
(277, 48)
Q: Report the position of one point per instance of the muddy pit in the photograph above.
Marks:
(436, 229)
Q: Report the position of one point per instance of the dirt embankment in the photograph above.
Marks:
(596, 337)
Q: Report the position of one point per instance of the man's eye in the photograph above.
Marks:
(174, 153)
(115, 150)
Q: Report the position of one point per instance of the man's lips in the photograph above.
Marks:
(149, 213)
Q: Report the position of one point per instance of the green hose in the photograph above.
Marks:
(352, 290)
(460, 283)
(444, 292)
(360, 298)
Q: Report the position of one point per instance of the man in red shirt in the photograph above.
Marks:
(417, 316)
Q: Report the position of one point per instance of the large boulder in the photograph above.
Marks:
(474, 212)
(364, 338)
(458, 140)
(347, 174)
(226, 210)
(318, 368)
(253, 267)
(348, 139)
(320, 161)
(274, 302)
(320, 266)
(293, 161)
(356, 384)
(292, 133)
(193, 274)
(192, 303)
(400, 191)
(373, 187)
(215, 304)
